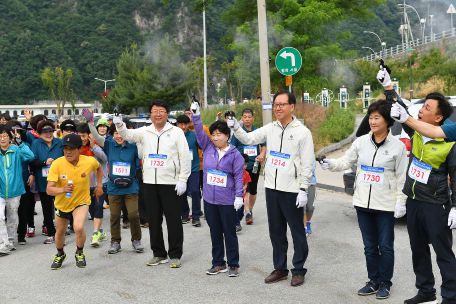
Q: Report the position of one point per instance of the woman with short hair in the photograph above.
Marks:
(381, 170)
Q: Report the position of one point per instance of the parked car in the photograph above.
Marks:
(398, 132)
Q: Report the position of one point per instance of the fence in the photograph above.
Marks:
(401, 48)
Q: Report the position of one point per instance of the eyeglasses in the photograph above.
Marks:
(279, 105)
(155, 112)
(4, 136)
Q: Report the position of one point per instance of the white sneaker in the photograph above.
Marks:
(10, 246)
(4, 250)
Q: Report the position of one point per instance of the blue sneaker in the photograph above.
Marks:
(383, 291)
(309, 229)
(369, 289)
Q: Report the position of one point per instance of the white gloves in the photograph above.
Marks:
(195, 108)
(233, 123)
(301, 200)
(238, 203)
(327, 164)
(452, 218)
(384, 78)
(398, 113)
(117, 120)
(181, 187)
(400, 210)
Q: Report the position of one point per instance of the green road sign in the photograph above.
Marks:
(288, 61)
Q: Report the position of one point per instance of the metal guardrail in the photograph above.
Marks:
(401, 48)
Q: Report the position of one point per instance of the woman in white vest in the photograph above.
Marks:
(381, 167)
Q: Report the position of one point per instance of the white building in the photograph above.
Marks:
(47, 107)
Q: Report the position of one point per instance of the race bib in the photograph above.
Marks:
(191, 154)
(250, 150)
(371, 175)
(157, 161)
(419, 171)
(216, 178)
(278, 160)
(45, 171)
(121, 169)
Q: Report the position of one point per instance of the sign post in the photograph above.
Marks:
(366, 95)
(324, 97)
(343, 97)
(288, 63)
(306, 97)
(288, 82)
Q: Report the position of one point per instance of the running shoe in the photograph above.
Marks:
(145, 225)
(34, 212)
(369, 289)
(383, 291)
(233, 272)
(49, 240)
(102, 236)
(156, 261)
(80, 260)
(30, 232)
(248, 219)
(216, 270)
(126, 225)
(94, 240)
(309, 229)
(58, 261)
(115, 247)
(185, 220)
(4, 250)
(196, 222)
(422, 299)
(175, 263)
(68, 231)
(44, 231)
(238, 228)
(21, 240)
(137, 246)
(106, 206)
(11, 246)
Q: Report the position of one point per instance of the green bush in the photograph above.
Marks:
(208, 116)
(338, 126)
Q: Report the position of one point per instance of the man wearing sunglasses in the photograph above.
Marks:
(288, 170)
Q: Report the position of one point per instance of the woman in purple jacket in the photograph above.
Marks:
(223, 167)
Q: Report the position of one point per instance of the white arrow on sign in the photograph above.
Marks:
(284, 55)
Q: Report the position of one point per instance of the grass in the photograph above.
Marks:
(327, 125)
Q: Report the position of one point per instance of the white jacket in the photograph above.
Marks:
(172, 143)
(296, 140)
(392, 156)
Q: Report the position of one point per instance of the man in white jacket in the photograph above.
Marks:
(288, 170)
(166, 168)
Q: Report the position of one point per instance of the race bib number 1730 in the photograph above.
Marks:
(371, 175)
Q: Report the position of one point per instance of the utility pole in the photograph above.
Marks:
(205, 63)
(264, 61)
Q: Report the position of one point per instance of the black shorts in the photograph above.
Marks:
(253, 185)
(67, 215)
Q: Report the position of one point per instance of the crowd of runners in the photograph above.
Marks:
(80, 170)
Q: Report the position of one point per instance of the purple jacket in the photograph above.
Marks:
(232, 163)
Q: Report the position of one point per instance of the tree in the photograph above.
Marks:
(197, 73)
(59, 86)
(230, 69)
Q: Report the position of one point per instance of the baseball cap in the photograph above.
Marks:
(53, 117)
(73, 141)
(68, 124)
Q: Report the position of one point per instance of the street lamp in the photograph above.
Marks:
(421, 20)
(366, 47)
(410, 53)
(377, 37)
(105, 81)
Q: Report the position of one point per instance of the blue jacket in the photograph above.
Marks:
(11, 171)
(122, 154)
(240, 146)
(42, 153)
(190, 136)
(31, 138)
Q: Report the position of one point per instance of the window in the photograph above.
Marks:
(69, 111)
(15, 113)
(76, 112)
(53, 112)
(22, 112)
(7, 112)
(46, 112)
(96, 111)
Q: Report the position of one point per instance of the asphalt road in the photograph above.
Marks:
(336, 267)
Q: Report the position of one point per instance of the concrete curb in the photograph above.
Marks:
(340, 144)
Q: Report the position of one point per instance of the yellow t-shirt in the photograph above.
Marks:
(62, 171)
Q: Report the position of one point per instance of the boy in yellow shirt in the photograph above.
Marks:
(69, 182)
